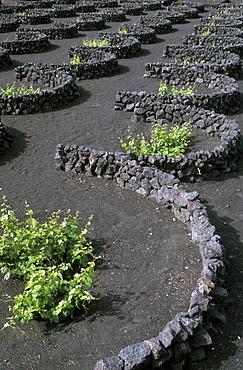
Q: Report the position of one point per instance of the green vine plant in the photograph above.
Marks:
(21, 90)
(55, 261)
(76, 60)
(163, 89)
(207, 33)
(95, 42)
(163, 141)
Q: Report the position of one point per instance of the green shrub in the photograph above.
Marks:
(54, 259)
(76, 60)
(163, 141)
(163, 89)
(96, 42)
(14, 90)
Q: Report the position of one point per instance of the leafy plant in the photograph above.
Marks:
(163, 89)
(14, 90)
(124, 31)
(76, 60)
(163, 141)
(95, 42)
(53, 258)
(182, 90)
(207, 33)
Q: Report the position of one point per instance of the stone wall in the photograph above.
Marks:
(61, 89)
(88, 22)
(95, 64)
(144, 34)
(8, 24)
(121, 46)
(27, 42)
(57, 31)
(159, 24)
(223, 62)
(233, 44)
(221, 93)
(218, 30)
(192, 166)
(186, 335)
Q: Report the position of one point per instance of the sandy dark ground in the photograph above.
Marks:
(150, 265)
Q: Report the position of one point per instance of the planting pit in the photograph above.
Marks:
(89, 22)
(228, 43)
(57, 89)
(159, 24)
(144, 34)
(121, 46)
(223, 62)
(210, 91)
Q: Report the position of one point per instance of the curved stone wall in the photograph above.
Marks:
(27, 42)
(95, 64)
(189, 12)
(192, 166)
(8, 24)
(34, 16)
(218, 30)
(221, 93)
(121, 46)
(202, 57)
(112, 15)
(173, 16)
(61, 89)
(57, 31)
(233, 44)
(88, 22)
(131, 8)
(226, 22)
(144, 34)
(159, 24)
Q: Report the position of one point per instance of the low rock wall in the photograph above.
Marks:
(189, 167)
(27, 42)
(173, 16)
(88, 22)
(233, 44)
(218, 30)
(5, 60)
(223, 62)
(58, 30)
(225, 22)
(199, 6)
(95, 64)
(106, 3)
(112, 15)
(144, 34)
(189, 12)
(61, 89)
(221, 93)
(131, 8)
(34, 17)
(159, 24)
(186, 335)
(62, 11)
(121, 46)
(8, 24)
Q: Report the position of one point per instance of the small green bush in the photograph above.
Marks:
(96, 42)
(163, 89)
(76, 60)
(54, 259)
(163, 141)
(21, 90)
